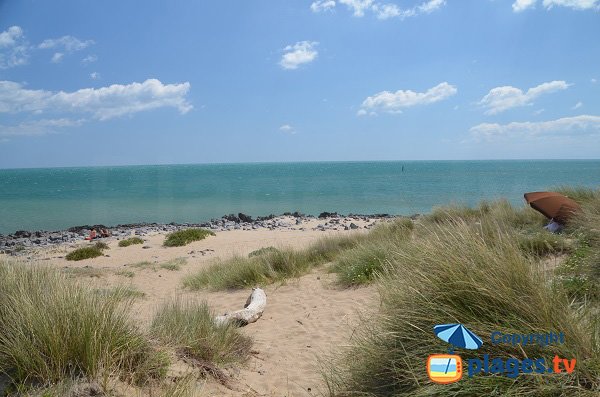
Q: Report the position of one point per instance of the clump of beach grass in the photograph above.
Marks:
(121, 292)
(186, 236)
(362, 263)
(86, 271)
(52, 329)
(189, 327)
(130, 241)
(270, 265)
(454, 273)
(125, 273)
(86, 252)
(173, 264)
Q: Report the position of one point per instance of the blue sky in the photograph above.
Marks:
(116, 83)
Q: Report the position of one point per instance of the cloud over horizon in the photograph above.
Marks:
(499, 99)
(394, 102)
(583, 125)
(102, 103)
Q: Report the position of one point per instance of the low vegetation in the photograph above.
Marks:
(87, 252)
(72, 332)
(270, 264)
(130, 241)
(188, 327)
(454, 272)
(184, 237)
(173, 264)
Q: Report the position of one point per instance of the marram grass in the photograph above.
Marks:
(52, 328)
(186, 236)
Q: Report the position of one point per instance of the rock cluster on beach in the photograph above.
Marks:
(22, 240)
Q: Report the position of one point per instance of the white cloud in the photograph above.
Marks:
(57, 57)
(38, 127)
(94, 75)
(14, 50)
(500, 99)
(539, 111)
(387, 10)
(358, 7)
(322, 5)
(521, 5)
(102, 103)
(288, 129)
(66, 43)
(593, 81)
(577, 105)
(89, 59)
(394, 102)
(300, 53)
(584, 125)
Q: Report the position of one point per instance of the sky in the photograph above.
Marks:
(86, 83)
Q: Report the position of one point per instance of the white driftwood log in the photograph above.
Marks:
(253, 309)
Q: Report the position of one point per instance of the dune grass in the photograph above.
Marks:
(52, 329)
(173, 264)
(188, 327)
(454, 272)
(130, 241)
(86, 252)
(184, 237)
(270, 265)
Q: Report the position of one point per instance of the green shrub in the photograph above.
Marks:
(184, 237)
(84, 253)
(262, 251)
(101, 245)
(189, 327)
(452, 273)
(71, 331)
(130, 241)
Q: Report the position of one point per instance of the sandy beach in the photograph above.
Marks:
(305, 319)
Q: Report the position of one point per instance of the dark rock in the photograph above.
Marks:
(231, 218)
(353, 226)
(328, 215)
(22, 234)
(245, 218)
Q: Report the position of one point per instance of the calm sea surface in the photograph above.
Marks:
(56, 198)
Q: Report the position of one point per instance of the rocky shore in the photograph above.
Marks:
(23, 240)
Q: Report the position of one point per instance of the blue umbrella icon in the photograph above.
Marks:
(458, 335)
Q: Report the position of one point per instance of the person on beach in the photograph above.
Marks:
(104, 233)
(93, 235)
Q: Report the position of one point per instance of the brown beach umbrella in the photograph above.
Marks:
(552, 205)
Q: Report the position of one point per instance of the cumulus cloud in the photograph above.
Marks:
(502, 98)
(394, 102)
(101, 103)
(381, 10)
(322, 5)
(62, 45)
(521, 5)
(89, 59)
(298, 54)
(578, 126)
(94, 75)
(57, 57)
(66, 43)
(577, 105)
(38, 127)
(14, 49)
(288, 129)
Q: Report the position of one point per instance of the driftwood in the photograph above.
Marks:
(253, 309)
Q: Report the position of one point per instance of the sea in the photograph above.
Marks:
(58, 198)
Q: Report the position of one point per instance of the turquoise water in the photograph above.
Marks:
(56, 198)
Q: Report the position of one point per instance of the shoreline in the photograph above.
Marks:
(23, 240)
